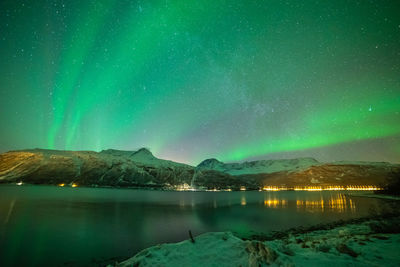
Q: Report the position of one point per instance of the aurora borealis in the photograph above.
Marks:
(190, 80)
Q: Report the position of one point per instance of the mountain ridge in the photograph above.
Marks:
(258, 166)
(141, 168)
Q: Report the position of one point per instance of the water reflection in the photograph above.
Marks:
(298, 201)
(10, 210)
(104, 223)
(243, 201)
(336, 203)
(310, 205)
(275, 203)
(302, 202)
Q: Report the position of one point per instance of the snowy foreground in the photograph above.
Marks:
(370, 243)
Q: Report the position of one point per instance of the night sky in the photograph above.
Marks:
(234, 80)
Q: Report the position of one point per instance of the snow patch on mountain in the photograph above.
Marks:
(259, 166)
(142, 156)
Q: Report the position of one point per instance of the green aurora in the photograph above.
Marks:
(190, 80)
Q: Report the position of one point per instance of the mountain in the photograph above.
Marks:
(291, 173)
(142, 169)
(259, 166)
(105, 168)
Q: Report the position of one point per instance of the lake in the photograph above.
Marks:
(64, 226)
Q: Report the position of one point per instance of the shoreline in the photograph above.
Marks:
(352, 192)
(367, 241)
(372, 240)
(273, 241)
(373, 195)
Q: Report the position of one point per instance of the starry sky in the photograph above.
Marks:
(234, 80)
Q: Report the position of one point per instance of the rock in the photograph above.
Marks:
(384, 226)
(260, 254)
(323, 247)
(286, 250)
(343, 248)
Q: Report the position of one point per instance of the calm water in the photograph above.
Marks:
(44, 225)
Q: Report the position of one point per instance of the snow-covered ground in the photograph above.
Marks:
(371, 243)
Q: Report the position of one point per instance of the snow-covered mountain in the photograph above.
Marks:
(259, 166)
(141, 156)
(142, 169)
(106, 168)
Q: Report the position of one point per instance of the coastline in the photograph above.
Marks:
(373, 242)
(356, 193)
(373, 195)
(368, 241)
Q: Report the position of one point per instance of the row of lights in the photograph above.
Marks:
(62, 184)
(186, 187)
(328, 188)
(72, 185)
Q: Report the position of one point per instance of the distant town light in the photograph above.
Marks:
(184, 187)
(327, 188)
(271, 188)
